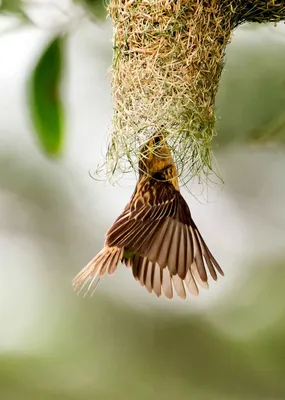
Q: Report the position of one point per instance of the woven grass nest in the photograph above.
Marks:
(168, 59)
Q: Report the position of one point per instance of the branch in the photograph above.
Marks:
(256, 11)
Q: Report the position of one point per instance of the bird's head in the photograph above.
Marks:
(156, 160)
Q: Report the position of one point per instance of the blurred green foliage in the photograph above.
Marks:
(96, 7)
(112, 352)
(11, 6)
(251, 97)
(45, 97)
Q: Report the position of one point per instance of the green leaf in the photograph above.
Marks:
(45, 98)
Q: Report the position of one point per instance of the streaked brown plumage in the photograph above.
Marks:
(155, 235)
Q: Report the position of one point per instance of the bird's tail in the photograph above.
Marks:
(107, 260)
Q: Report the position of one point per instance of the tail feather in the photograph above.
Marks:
(107, 259)
(115, 261)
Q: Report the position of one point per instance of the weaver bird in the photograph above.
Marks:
(155, 235)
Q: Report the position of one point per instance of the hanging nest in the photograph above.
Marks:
(168, 59)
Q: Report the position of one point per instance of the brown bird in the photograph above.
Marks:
(155, 235)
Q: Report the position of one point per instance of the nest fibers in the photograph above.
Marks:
(168, 58)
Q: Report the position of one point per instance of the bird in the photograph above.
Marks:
(155, 235)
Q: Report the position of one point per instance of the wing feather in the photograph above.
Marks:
(198, 256)
(149, 275)
(197, 278)
(147, 239)
(167, 284)
(139, 234)
(159, 243)
(212, 258)
(189, 246)
(157, 280)
(162, 257)
(207, 258)
(122, 234)
(135, 264)
(172, 261)
(191, 284)
(182, 249)
(178, 286)
(142, 272)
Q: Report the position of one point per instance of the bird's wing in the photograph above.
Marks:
(160, 281)
(159, 227)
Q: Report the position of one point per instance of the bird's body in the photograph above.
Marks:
(155, 235)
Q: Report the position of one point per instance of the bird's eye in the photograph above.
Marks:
(158, 176)
(156, 140)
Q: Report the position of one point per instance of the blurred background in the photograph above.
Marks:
(227, 344)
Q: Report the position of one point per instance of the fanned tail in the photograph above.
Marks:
(106, 260)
